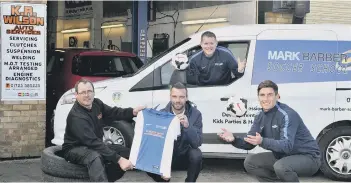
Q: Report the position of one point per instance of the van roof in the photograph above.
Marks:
(341, 30)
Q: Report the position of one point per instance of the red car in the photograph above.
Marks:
(66, 66)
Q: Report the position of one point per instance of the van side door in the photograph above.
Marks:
(302, 63)
(212, 100)
(343, 87)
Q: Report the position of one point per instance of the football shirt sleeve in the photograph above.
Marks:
(138, 133)
(167, 154)
(175, 128)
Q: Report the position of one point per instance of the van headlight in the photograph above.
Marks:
(70, 98)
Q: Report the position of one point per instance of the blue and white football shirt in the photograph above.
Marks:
(154, 136)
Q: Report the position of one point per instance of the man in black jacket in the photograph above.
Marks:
(186, 152)
(84, 132)
(279, 129)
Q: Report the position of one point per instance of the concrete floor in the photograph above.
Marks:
(215, 170)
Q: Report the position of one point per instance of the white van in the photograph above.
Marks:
(310, 63)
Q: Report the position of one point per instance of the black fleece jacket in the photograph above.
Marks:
(85, 127)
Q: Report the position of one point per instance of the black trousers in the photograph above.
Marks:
(190, 161)
(99, 170)
(288, 169)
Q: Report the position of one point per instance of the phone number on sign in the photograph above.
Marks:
(25, 85)
(299, 67)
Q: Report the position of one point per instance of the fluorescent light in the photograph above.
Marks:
(75, 30)
(214, 20)
(111, 26)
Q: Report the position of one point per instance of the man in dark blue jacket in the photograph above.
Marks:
(280, 129)
(186, 152)
(213, 65)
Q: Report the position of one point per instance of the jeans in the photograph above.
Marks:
(191, 161)
(288, 169)
(99, 170)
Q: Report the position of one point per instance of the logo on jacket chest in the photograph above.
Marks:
(99, 116)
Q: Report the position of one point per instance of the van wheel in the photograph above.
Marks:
(119, 132)
(336, 153)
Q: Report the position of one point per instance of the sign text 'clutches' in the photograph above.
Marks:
(23, 51)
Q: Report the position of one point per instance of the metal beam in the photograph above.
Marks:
(135, 27)
(139, 26)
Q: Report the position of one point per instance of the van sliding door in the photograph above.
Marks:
(343, 88)
(302, 63)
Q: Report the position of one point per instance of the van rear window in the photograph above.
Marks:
(108, 66)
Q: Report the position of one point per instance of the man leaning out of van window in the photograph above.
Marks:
(213, 65)
(280, 129)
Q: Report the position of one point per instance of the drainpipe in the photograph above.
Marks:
(300, 11)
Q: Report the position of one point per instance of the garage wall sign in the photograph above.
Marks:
(142, 30)
(23, 51)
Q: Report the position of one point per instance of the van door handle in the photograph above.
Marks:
(224, 99)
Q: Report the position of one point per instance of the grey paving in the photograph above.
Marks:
(215, 170)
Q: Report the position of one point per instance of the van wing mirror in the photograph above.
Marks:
(191, 52)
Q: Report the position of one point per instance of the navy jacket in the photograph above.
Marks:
(190, 137)
(214, 70)
(283, 132)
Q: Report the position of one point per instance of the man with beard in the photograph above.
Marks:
(186, 152)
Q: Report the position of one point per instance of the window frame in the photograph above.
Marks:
(57, 65)
(161, 67)
(156, 76)
(220, 43)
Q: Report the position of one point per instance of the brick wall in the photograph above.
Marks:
(336, 12)
(22, 128)
(321, 12)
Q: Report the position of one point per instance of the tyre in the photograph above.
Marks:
(336, 153)
(54, 165)
(119, 132)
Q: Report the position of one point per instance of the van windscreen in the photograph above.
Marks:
(154, 59)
